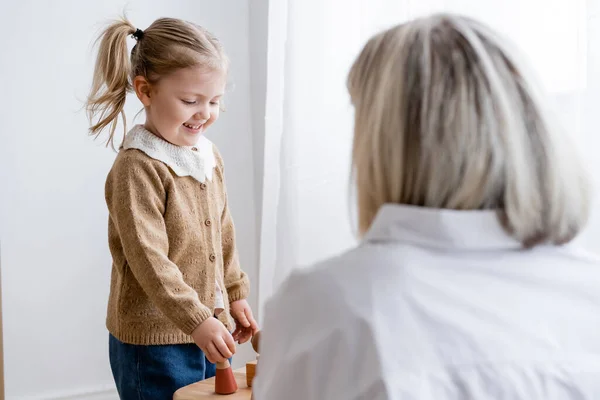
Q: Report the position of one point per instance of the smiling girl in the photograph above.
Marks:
(175, 264)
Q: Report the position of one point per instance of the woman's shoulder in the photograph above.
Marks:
(334, 285)
(358, 265)
(321, 310)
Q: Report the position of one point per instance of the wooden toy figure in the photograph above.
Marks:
(224, 380)
(256, 342)
(251, 366)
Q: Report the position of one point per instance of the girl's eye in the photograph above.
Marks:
(188, 102)
(214, 103)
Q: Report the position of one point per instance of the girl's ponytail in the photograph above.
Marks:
(111, 80)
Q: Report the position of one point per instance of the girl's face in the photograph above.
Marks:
(181, 106)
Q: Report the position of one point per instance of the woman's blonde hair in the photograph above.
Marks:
(164, 47)
(445, 118)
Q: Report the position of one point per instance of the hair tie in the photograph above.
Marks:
(138, 34)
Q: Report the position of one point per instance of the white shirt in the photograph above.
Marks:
(436, 304)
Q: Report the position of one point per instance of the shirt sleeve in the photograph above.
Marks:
(313, 350)
(136, 197)
(237, 283)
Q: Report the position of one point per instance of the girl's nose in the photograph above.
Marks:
(203, 114)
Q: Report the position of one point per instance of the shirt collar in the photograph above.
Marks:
(196, 161)
(440, 228)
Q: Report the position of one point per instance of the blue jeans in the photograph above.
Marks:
(156, 372)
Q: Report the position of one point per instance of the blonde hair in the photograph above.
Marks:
(445, 118)
(164, 47)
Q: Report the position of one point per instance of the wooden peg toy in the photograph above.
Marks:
(250, 372)
(224, 380)
(256, 342)
(251, 366)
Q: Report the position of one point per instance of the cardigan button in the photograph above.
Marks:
(203, 186)
(207, 222)
(212, 258)
(194, 149)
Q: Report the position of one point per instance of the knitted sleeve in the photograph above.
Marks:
(136, 198)
(237, 283)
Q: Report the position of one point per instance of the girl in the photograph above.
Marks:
(461, 288)
(171, 236)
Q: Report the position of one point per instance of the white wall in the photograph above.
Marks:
(258, 39)
(53, 219)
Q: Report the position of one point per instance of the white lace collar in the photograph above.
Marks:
(197, 161)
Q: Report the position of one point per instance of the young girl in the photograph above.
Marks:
(171, 236)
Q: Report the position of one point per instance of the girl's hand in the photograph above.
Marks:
(214, 340)
(245, 324)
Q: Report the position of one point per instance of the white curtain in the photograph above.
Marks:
(307, 209)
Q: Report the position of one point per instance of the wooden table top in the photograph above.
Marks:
(206, 389)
